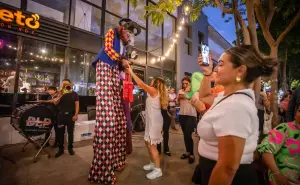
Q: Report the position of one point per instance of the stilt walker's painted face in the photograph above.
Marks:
(124, 35)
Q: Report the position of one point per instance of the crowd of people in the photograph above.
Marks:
(232, 118)
(230, 126)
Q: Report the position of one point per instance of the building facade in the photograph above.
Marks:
(46, 41)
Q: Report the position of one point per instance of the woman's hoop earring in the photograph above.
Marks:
(238, 79)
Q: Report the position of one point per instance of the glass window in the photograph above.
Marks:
(118, 7)
(169, 65)
(137, 14)
(111, 21)
(8, 54)
(86, 17)
(96, 2)
(152, 73)
(154, 39)
(141, 60)
(42, 65)
(200, 37)
(169, 78)
(81, 73)
(153, 60)
(15, 3)
(169, 34)
(140, 40)
(54, 9)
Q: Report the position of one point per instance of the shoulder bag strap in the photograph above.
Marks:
(229, 96)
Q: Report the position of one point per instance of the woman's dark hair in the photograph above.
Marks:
(256, 64)
(186, 78)
(290, 92)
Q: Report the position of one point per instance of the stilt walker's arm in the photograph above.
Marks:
(108, 46)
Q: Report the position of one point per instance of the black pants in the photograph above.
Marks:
(261, 118)
(245, 175)
(166, 127)
(188, 125)
(48, 134)
(63, 121)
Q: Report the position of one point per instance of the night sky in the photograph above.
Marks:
(227, 30)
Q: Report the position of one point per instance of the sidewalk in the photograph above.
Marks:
(73, 170)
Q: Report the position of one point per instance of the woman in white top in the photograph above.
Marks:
(157, 99)
(229, 129)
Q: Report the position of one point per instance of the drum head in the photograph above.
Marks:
(36, 120)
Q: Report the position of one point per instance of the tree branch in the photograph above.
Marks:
(290, 26)
(271, 13)
(261, 20)
(224, 9)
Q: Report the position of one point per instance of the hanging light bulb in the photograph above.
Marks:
(182, 21)
(174, 41)
(153, 60)
(180, 28)
(177, 35)
(187, 7)
(163, 58)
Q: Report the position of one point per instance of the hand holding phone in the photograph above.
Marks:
(205, 54)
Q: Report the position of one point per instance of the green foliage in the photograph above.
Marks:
(133, 3)
(295, 84)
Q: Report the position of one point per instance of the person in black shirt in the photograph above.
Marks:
(52, 91)
(68, 109)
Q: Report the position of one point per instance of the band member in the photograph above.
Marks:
(110, 131)
(52, 91)
(68, 109)
(10, 82)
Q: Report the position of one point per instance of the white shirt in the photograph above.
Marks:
(236, 116)
(172, 96)
(186, 108)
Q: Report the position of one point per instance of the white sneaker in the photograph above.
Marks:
(149, 167)
(154, 174)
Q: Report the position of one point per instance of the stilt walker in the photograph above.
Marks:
(110, 131)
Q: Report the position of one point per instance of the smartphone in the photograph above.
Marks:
(205, 54)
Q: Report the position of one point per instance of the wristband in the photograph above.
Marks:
(208, 75)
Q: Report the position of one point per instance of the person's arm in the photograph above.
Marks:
(205, 86)
(230, 153)
(75, 117)
(151, 90)
(108, 45)
(199, 105)
(290, 114)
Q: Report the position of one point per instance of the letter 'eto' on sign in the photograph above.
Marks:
(6, 15)
(19, 17)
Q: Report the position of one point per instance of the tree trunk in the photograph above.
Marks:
(237, 30)
(284, 82)
(274, 87)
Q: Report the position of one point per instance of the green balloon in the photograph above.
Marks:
(195, 84)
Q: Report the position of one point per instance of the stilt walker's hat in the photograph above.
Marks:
(130, 26)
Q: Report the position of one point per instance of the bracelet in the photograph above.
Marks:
(276, 173)
(208, 75)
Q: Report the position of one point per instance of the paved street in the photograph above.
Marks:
(73, 170)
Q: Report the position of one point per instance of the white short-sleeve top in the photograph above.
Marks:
(236, 116)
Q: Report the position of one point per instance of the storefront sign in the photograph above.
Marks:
(24, 23)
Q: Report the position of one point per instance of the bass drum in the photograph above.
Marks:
(33, 119)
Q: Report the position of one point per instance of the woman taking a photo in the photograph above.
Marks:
(187, 119)
(157, 99)
(229, 129)
(281, 152)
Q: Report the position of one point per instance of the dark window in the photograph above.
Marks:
(188, 48)
(200, 38)
(188, 31)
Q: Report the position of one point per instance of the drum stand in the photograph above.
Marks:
(37, 145)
